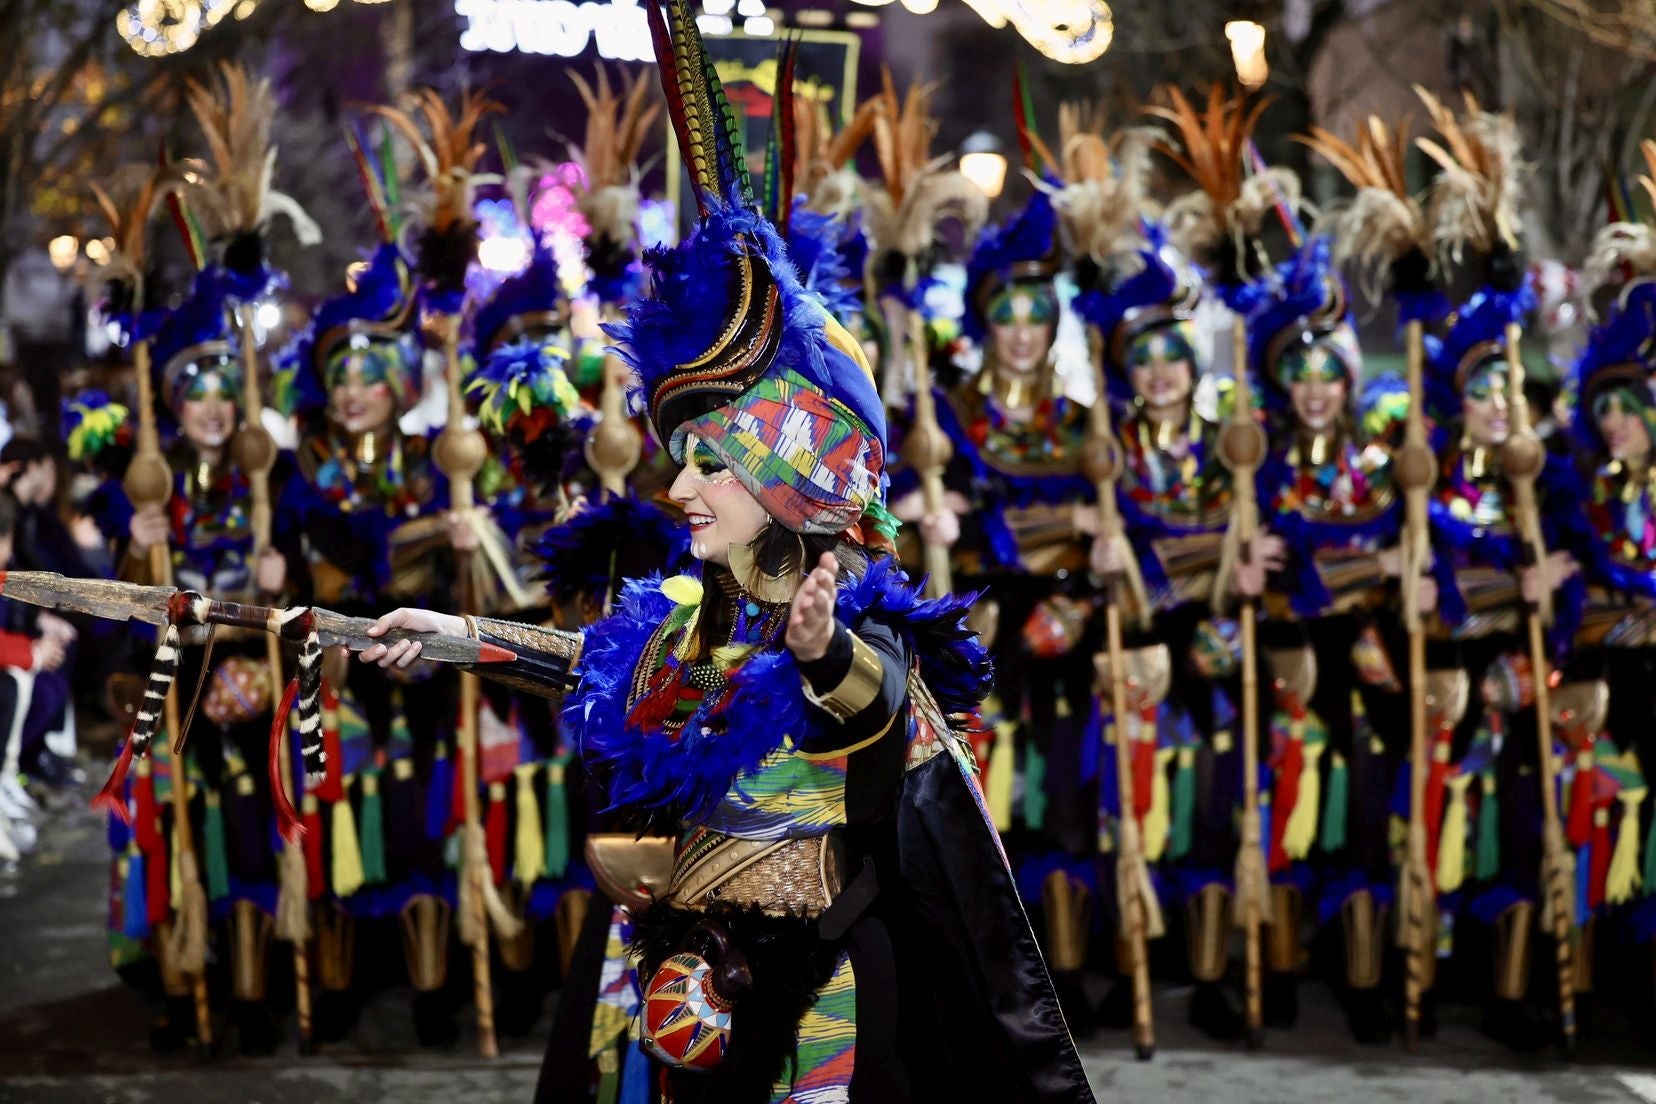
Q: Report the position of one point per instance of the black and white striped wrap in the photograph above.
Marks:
(310, 696)
(162, 673)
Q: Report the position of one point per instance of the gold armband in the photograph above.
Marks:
(857, 690)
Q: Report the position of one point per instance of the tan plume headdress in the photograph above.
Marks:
(618, 118)
(1383, 230)
(917, 192)
(234, 194)
(1230, 202)
(1104, 191)
(448, 150)
(1475, 200)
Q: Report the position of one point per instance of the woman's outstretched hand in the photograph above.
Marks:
(404, 652)
(811, 621)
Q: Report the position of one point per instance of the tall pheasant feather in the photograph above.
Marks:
(1105, 178)
(707, 133)
(781, 157)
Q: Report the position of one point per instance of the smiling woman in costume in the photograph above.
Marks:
(786, 714)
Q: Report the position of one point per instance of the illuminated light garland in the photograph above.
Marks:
(1073, 32)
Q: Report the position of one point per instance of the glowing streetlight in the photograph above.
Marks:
(63, 250)
(983, 163)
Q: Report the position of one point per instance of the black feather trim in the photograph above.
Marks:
(445, 256)
(244, 253)
(789, 964)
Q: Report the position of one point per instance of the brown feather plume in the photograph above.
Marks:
(618, 120)
(1105, 187)
(234, 195)
(916, 191)
(1385, 221)
(1210, 145)
(447, 148)
(1475, 200)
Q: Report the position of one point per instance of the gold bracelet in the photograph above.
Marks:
(857, 690)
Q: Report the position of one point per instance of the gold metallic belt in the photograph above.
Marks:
(789, 877)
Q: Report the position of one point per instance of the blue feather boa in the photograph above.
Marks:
(649, 772)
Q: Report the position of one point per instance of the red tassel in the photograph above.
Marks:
(1600, 859)
(1284, 799)
(494, 831)
(333, 782)
(157, 886)
(112, 798)
(1144, 772)
(1431, 802)
(147, 832)
(1581, 797)
(314, 885)
(287, 820)
(457, 794)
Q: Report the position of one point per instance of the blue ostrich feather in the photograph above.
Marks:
(576, 554)
(648, 772)
(247, 285)
(814, 245)
(1029, 236)
(688, 307)
(534, 290)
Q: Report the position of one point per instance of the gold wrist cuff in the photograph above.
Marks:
(857, 690)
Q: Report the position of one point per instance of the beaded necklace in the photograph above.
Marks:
(1623, 513)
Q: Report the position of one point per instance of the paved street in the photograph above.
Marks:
(71, 1033)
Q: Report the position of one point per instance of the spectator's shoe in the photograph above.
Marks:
(9, 851)
(22, 834)
(16, 803)
(55, 772)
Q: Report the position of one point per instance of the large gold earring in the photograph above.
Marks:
(776, 590)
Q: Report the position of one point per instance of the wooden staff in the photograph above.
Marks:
(1140, 912)
(928, 448)
(255, 455)
(148, 482)
(1522, 458)
(460, 453)
(1416, 895)
(1242, 448)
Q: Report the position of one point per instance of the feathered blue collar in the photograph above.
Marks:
(652, 773)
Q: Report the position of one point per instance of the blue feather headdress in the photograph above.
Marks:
(1618, 357)
(1476, 334)
(729, 345)
(1304, 303)
(197, 335)
(376, 310)
(1163, 291)
(1024, 250)
(530, 303)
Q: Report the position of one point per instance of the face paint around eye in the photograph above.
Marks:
(1486, 382)
(1023, 304)
(1315, 364)
(705, 463)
